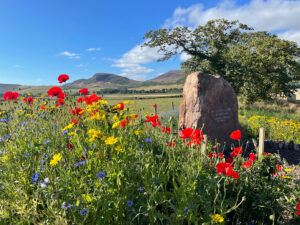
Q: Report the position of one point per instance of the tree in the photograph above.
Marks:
(258, 65)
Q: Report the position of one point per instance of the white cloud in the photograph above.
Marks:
(70, 55)
(279, 16)
(93, 49)
(16, 66)
(131, 62)
(184, 56)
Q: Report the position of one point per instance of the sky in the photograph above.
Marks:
(39, 40)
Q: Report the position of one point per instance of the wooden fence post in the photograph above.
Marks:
(172, 106)
(155, 109)
(261, 142)
(203, 144)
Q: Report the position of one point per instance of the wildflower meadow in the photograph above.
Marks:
(83, 161)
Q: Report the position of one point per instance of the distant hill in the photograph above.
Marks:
(103, 80)
(9, 87)
(172, 76)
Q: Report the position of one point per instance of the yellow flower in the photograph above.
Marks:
(286, 177)
(72, 134)
(116, 124)
(42, 96)
(96, 134)
(87, 197)
(77, 203)
(288, 170)
(68, 127)
(137, 132)
(2, 112)
(56, 159)
(29, 94)
(217, 218)
(119, 149)
(111, 140)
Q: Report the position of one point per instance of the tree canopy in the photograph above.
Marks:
(258, 65)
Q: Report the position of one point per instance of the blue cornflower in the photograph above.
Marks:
(19, 108)
(46, 156)
(65, 131)
(129, 203)
(140, 145)
(35, 177)
(149, 140)
(43, 168)
(55, 125)
(47, 141)
(42, 161)
(82, 162)
(24, 123)
(140, 189)
(26, 154)
(83, 211)
(186, 209)
(101, 174)
(2, 187)
(8, 136)
(3, 120)
(87, 149)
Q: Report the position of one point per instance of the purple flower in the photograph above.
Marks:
(47, 141)
(101, 174)
(148, 140)
(65, 131)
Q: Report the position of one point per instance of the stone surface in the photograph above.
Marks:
(209, 103)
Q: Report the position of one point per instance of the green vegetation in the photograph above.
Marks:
(258, 65)
(100, 164)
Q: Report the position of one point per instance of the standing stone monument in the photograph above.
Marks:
(210, 102)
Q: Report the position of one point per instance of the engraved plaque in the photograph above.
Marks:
(221, 115)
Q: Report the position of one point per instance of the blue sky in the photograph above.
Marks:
(41, 39)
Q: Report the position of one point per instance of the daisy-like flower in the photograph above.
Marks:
(56, 159)
(111, 140)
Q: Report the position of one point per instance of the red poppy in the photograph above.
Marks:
(136, 116)
(165, 129)
(279, 168)
(225, 168)
(63, 78)
(62, 95)
(236, 135)
(9, 95)
(246, 165)
(298, 206)
(236, 152)
(89, 99)
(221, 155)
(172, 144)
(186, 133)
(152, 119)
(212, 154)
(120, 106)
(252, 157)
(230, 160)
(54, 91)
(77, 111)
(74, 122)
(43, 107)
(83, 91)
(154, 106)
(298, 213)
(70, 146)
(28, 100)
